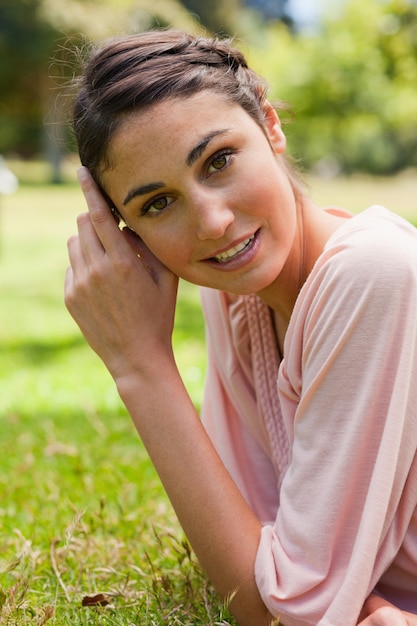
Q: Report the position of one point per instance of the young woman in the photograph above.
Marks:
(299, 492)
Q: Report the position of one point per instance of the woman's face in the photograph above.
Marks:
(202, 185)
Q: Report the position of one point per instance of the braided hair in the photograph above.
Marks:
(137, 71)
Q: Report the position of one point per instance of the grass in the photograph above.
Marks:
(359, 191)
(82, 511)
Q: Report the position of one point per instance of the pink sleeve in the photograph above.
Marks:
(230, 410)
(349, 397)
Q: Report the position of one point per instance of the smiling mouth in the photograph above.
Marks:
(232, 252)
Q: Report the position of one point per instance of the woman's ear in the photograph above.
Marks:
(273, 129)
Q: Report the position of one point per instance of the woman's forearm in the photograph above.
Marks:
(218, 522)
(123, 299)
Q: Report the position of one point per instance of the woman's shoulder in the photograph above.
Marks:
(368, 262)
(375, 243)
(374, 226)
(363, 286)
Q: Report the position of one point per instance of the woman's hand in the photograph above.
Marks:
(125, 306)
(119, 294)
(379, 612)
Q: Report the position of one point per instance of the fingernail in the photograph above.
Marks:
(82, 174)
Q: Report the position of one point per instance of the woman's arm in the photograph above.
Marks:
(125, 308)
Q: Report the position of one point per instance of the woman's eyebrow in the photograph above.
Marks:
(191, 158)
(198, 150)
(142, 190)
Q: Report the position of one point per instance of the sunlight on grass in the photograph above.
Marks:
(83, 511)
(357, 192)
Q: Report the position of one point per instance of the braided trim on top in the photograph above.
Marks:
(265, 367)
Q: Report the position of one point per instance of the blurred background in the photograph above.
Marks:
(78, 493)
(348, 69)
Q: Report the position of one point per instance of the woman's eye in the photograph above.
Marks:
(219, 162)
(157, 205)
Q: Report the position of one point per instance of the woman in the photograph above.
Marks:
(299, 498)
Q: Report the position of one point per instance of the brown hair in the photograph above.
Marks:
(137, 71)
(133, 72)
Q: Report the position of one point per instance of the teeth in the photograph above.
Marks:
(224, 256)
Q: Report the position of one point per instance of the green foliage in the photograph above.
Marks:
(37, 43)
(216, 15)
(351, 86)
(25, 43)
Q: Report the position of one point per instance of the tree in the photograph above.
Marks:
(216, 15)
(25, 43)
(351, 86)
(37, 59)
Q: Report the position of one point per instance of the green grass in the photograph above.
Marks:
(359, 191)
(82, 510)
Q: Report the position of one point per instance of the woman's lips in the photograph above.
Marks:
(237, 255)
(231, 252)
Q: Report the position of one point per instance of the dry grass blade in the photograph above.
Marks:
(55, 569)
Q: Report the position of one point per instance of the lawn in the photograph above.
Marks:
(82, 511)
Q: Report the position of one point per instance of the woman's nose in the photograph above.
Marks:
(212, 215)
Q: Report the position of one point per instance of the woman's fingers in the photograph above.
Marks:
(120, 295)
(99, 222)
(100, 235)
(389, 616)
(149, 261)
(380, 612)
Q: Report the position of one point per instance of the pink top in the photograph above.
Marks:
(326, 457)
